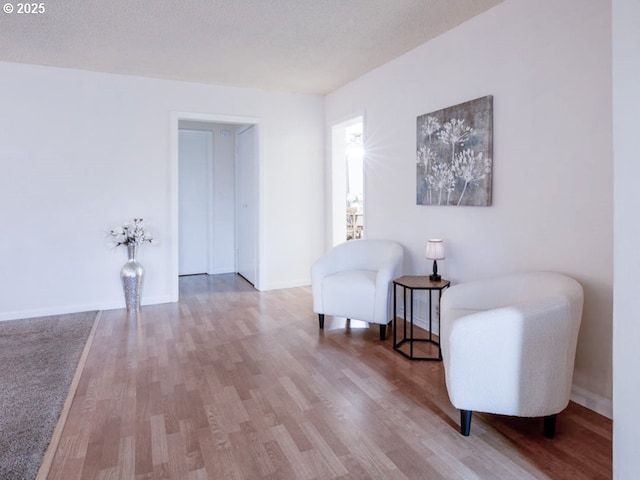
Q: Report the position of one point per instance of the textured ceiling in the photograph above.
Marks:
(306, 46)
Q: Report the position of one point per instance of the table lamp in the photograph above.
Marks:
(435, 252)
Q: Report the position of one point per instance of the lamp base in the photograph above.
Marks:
(434, 277)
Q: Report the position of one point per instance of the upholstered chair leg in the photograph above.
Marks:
(321, 320)
(383, 332)
(465, 422)
(550, 426)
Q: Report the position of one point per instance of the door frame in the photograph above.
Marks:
(176, 117)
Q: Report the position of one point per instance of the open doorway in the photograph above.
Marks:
(348, 210)
(206, 182)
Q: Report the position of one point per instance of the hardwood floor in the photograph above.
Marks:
(231, 383)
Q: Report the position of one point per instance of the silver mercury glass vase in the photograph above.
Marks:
(132, 276)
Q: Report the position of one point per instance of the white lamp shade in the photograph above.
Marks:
(435, 249)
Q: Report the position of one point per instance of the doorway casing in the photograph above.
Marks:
(176, 117)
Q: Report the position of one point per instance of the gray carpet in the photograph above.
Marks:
(38, 359)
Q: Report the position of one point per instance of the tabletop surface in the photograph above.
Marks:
(421, 281)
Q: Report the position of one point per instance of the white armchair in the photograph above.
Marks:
(509, 343)
(353, 280)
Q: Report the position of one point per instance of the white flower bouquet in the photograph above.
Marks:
(131, 234)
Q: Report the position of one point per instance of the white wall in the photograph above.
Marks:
(547, 64)
(82, 152)
(626, 324)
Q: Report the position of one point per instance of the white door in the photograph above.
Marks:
(246, 204)
(194, 197)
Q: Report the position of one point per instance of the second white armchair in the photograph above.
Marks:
(509, 345)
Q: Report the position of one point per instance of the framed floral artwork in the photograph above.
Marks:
(455, 155)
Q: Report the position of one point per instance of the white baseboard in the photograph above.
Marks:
(45, 312)
(302, 282)
(61, 310)
(420, 321)
(220, 271)
(592, 401)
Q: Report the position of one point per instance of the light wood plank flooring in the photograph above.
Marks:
(231, 383)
